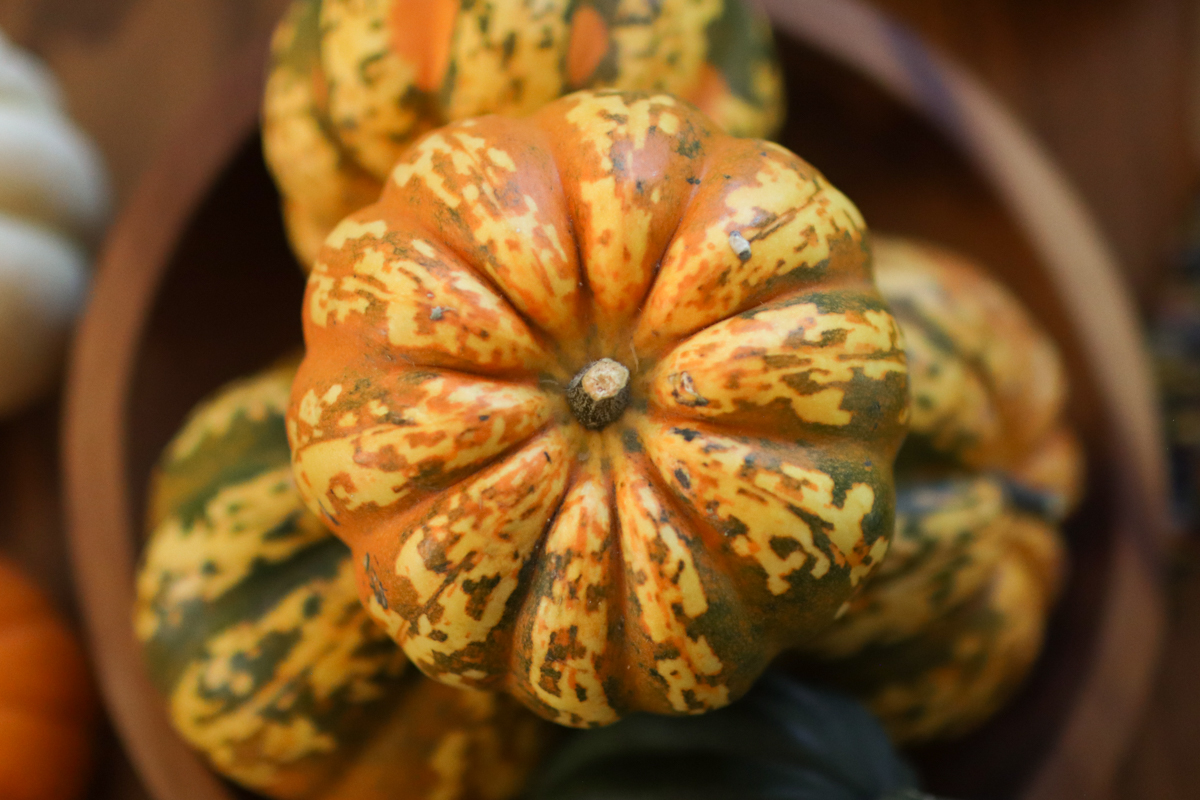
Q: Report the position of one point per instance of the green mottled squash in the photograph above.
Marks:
(782, 741)
(947, 629)
(354, 82)
(252, 629)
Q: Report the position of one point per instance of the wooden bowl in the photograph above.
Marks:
(197, 287)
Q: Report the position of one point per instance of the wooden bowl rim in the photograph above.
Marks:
(139, 247)
(1082, 268)
(100, 370)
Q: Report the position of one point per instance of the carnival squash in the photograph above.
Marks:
(354, 82)
(782, 741)
(53, 205)
(253, 631)
(604, 402)
(950, 625)
(47, 703)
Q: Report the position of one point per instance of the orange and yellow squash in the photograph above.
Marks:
(252, 629)
(354, 82)
(604, 402)
(948, 628)
(47, 703)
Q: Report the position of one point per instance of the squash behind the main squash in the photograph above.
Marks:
(948, 628)
(252, 629)
(354, 83)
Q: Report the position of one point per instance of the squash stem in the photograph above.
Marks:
(599, 394)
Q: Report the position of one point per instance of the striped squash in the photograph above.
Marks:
(950, 625)
(605, 403)
(54, 205)
(252, 629)
(354, 82)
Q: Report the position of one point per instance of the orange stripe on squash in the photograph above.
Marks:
(710, 89)
(421, 33)
(589, 43)
(320, 90)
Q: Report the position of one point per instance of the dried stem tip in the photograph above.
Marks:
(599, 394)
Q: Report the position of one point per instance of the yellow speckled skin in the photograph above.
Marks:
(658, 563)
(946, 630)
(349, 90)
(249, 616)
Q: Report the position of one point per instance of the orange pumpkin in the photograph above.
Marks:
(354, 82)
(604, 402)
(47, 704)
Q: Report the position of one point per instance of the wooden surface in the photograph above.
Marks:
(100, 426)
(1166, 762)
(1106, 83)
(132, 68)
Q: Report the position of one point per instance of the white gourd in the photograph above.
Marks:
(54, 202)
